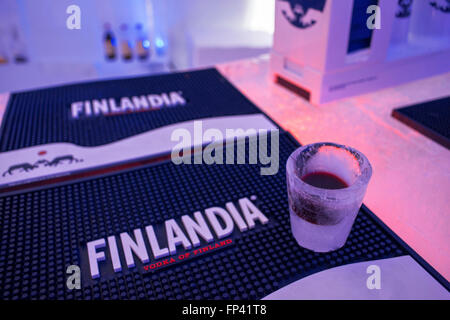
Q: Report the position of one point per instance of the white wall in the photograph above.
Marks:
(195, 32)
(59, 55)
(50, 40)
(231, 27)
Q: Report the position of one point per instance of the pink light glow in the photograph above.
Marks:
(410, 185)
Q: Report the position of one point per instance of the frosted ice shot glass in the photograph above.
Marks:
(326, 184)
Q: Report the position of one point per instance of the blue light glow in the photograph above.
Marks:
(146, 44)
(159, 42)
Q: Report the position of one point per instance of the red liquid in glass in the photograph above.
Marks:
(324, 180)
(313, 211)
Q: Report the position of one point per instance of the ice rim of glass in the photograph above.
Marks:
(359, 184)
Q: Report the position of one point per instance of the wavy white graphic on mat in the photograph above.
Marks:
(401, 278)
(75, 158)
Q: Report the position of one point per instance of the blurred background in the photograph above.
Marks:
(124, 38)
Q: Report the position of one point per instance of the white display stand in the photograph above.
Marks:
(311, 46)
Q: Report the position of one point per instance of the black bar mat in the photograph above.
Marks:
(45, 116)
(44, 231)
(431, 118)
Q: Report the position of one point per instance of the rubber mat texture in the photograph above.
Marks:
(43, 116)
(431, 118)
(41, 233)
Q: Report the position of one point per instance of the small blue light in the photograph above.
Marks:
(159, 42)
(146, 44)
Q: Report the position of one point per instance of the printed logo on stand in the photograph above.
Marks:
(299, 9)
(27, 167)
(404, 8)
(441, 5)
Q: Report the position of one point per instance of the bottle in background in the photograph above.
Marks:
(17, 46)
(402, 20)
(109, 42)
(443, 6)
(142, 43)
(3, 53)
(125, 44)
(429, 20)
(3, 57)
